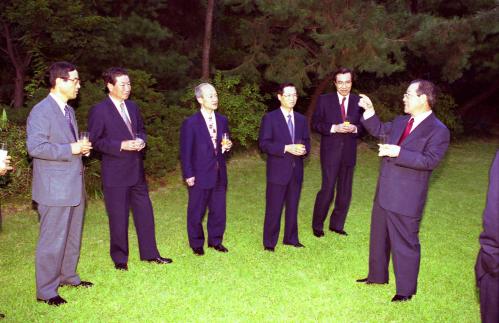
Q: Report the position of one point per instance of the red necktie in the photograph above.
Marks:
(407, 131)
(343, 113)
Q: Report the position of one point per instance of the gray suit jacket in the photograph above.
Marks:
(57, 174)
(403, 181)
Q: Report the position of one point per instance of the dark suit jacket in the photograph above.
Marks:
(274, 135)
(197, 155)
(107, 130)
(488, 257)
(337, 148)
(403, 181)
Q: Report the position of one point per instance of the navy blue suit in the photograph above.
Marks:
(401, 196)
(123, 179)
(201, 160)
(284, 175)
(338, 155)
(487, 264)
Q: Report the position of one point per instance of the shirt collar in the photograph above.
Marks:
(420, 118)
(116, 103)
(286, 113)
(340, 97)
(60, 103)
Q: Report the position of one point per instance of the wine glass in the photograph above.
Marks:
(3, 154)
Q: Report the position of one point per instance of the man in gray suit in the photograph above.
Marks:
(58, 185)
(416, 143)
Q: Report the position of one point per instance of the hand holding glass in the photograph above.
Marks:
(226, 143)
(3, 154)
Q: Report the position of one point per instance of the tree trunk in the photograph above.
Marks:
(19, 87)
(207, 41)
(318, 91)
(491, 90)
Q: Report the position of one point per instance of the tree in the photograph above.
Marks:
(207, 40)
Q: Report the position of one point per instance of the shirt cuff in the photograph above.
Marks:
(368, 113)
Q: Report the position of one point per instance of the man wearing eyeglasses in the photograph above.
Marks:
(285, 139)
(337, 119)
(416, 143)
(58, 185)
(117, 130)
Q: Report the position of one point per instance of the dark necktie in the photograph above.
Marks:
(70, 123)
(407, 131)
(291, 128)
(343, 112)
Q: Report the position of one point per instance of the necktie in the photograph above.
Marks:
(125, 118)
(407, 131)
(343, 112)
(70, 123)
(213, 131)
(291, 128)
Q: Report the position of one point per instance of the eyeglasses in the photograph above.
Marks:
(406, 95)
(75, 80)
(343, 83)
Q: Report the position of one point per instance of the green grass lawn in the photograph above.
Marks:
(316, 283)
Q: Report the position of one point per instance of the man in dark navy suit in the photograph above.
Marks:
(487, 264)
(118, 134)
(416, 143)
(203, 149)
(284, 137)
(337, 119)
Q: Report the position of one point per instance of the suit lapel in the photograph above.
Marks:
(398, 129)
(133, 115)
(61, 119)
(283, 124)
(420, 129)
(336, 107)
(203, 127)
(114, 113)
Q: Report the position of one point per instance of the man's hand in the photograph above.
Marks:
(295, 149)
(344, 128)
(81, 147)
(388, 150)
(129, 145)
(190, 181)
(226, 145)
(5, 166)
(365, 102)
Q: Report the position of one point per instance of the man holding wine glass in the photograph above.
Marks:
(204, 142)
(415, 145)
(284, 137)
(337, 119)
(58, 184)
(117, 130)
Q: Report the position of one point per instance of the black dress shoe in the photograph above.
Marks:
(342, 232)
(271, 249)
(54, 301)
(83, 284)
(401, 298)
(160, 260)
(318, 233)
(219, 247)
(296, 245)
(366, 281)
(121, 266)
(198, 251)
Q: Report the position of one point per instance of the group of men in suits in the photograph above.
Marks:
(117, 134)
(416, 143)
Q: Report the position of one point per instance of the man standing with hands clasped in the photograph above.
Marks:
(117, 131)
(204, 143)
(416, 143)
(337, 119)
(58, 185)
(285, 139)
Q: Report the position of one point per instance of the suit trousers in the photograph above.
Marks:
(214, 200)
(341, 178)
(118, 202)
(489, 298)
(276, 197)
(58, 249)
(398, 234)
